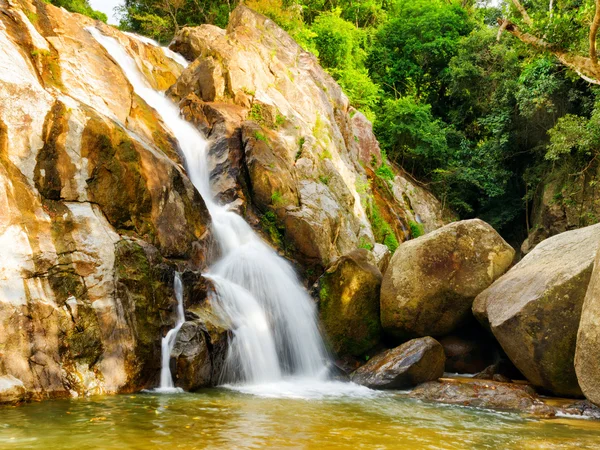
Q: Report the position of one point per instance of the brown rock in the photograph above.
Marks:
(587, 354)
(534, 310)
(410, 364)
(484, 394)
(430, 284)
(349, 304)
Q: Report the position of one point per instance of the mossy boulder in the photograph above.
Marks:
(431, 281)
(414, 362)
(587, 354)
(144, 283)
(349, 304)
(534, 310)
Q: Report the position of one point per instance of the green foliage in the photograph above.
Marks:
(260, 136)
(384, 234)
(416, 229)
(80, 7)
(277, 199)
(385, 172)
(412, 50)
(269, 224)
(411, 136)
(337, 41)
(364, 243)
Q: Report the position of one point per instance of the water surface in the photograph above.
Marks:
(226, 419)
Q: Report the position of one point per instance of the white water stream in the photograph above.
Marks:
(168, 342)
(276, 349)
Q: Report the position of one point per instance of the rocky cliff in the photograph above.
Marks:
(97, 212)
(289, 147)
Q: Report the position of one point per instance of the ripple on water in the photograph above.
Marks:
(326, 416)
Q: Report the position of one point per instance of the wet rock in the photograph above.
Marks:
(410, 364)
(484, 394)
(430, 284)
(12, 390)
(349, 304)
(587, 354)
(534, 310)
(193, 364)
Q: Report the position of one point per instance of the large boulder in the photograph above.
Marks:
(349, 304)
(430, 284)
(587, 353)
(410, 364)
(534, 310)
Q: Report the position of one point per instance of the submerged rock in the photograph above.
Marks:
(587, 354)
(484, 394)
(430, 284)
(534, 310)
(410, 364)
(349, 304)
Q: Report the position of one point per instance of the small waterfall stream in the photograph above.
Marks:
(168, 342)
(276, 344)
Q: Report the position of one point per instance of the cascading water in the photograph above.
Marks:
(168, 342)
(275, 332)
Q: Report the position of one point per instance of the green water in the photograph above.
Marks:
(223, 419)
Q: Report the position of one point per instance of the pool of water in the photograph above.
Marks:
(229, 419)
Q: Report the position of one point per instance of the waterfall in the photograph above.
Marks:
(168, 342)
(275, 331)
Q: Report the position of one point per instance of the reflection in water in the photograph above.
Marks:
(225, 419)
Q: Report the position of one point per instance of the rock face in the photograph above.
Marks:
(349, 304)
(96, 211)
(430, 284)
(587, 354)
(562, 204)
(410, 364)
(534, 310)
(288, 145)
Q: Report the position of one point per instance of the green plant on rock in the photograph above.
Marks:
(259, 136)
(364, 243)
(277, 199)
(416, 229)
(383, 231)
(269, 224)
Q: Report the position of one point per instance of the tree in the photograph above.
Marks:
(412, 50)
(564, 29)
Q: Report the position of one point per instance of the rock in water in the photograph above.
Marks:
(534, 310)
(349, 304)
(12, 390)
(431, 281)
(587, 354)
(410, 364)
(484, 394)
